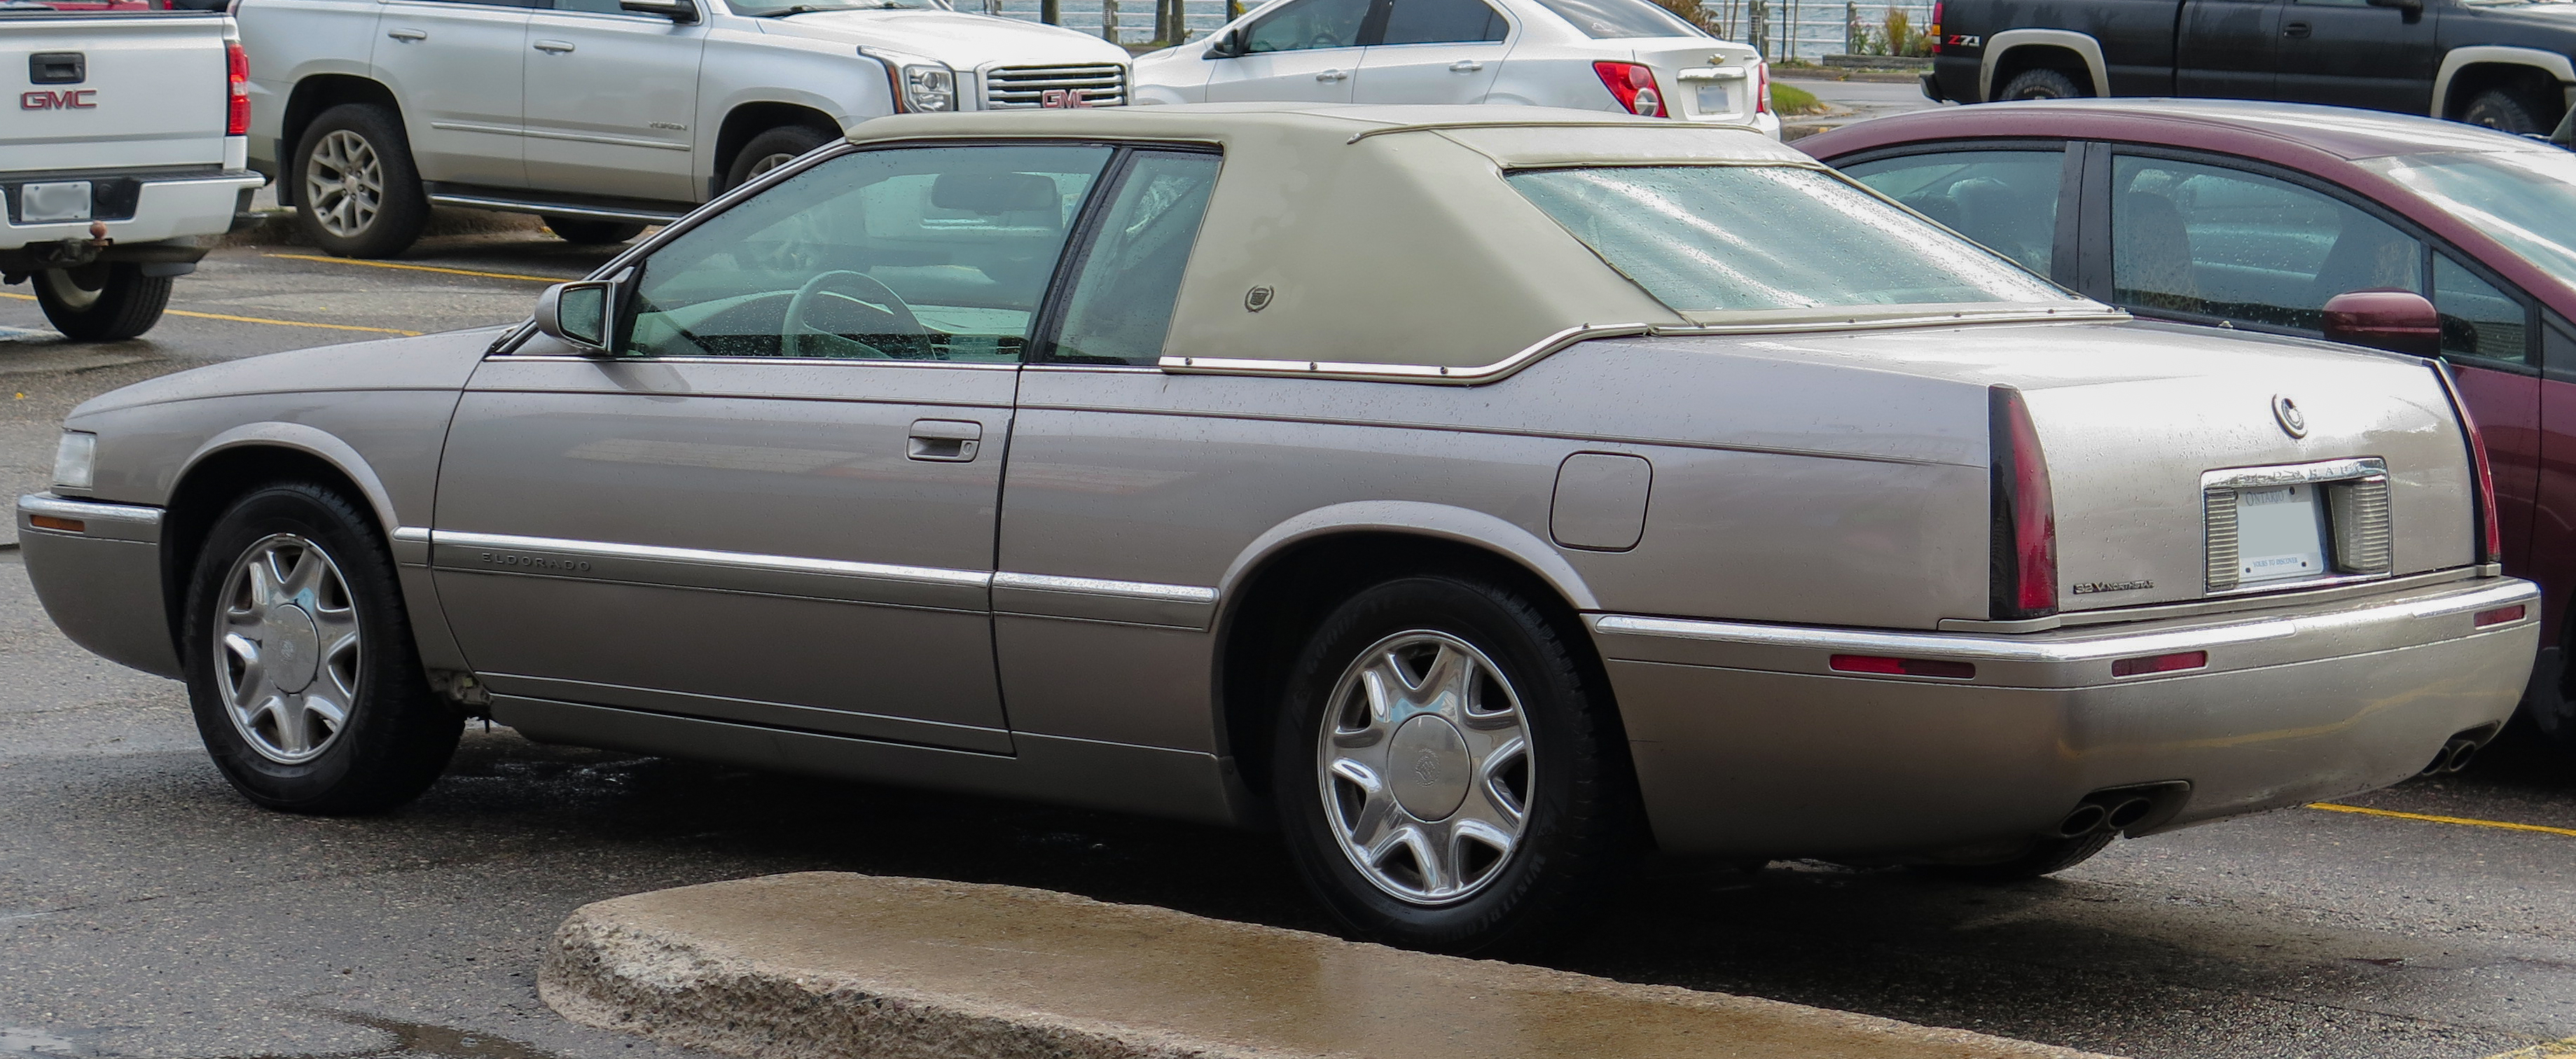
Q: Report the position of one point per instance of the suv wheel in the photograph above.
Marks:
(1448, 771)
(2503, 111)
(299, 659)
(356, 192)
(772, 149)
(2042, 84)
(592, 233)
(102, 302)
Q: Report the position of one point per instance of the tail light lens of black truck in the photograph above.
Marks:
(1934, 30)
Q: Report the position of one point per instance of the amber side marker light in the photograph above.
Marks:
(1904, 667)
(67, 525)
(2498, 616)
(2172, 663)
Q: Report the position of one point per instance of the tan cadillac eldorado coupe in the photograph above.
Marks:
(1482, 496)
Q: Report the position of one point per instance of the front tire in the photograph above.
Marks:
(1449, 771)
(357, 193)
(2503, 111)
(102, 302)
(2042, 84)
(300, 665)
(772, 149)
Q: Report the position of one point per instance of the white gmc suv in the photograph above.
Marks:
(604, 116)
(123, 153)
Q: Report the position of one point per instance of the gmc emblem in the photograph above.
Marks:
(1061, 99)
(68, 99)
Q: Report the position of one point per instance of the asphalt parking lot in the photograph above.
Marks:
(146, 910)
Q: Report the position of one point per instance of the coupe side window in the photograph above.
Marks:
(1122, 302)
(933, 253)
(2207, 241)
(2006, 200)
(2477, 319)
(1441, 22)
(1309, 24)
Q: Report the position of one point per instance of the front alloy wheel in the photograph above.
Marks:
(1425, 769)
(287, 661)
(344, 179)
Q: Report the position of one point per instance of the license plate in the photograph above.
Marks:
(64, 201)
(2280, 534)
(1712, 100)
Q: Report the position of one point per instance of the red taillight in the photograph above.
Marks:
(237, 114)
(1934, 30)
(2490, 528)
(1904, 667)
(2025, 516)
(2498, 616)
(2179, 660)
(1633, 85)
(1762, 86)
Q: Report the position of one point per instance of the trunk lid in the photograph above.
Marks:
(148, 90)
(1703, 79)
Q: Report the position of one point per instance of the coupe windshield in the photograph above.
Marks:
(756, 9)
(1707, 238)
(2524, 199)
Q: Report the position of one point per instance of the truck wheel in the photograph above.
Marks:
(593, 233)
(2042, 83)
(357, 194)
(772, 149)
(2048, 857)
(102, 302)
(1448, 771)
(299, 659)
(2502, 110)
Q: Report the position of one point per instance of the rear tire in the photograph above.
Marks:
(1562, 802)
(300, 664)
(593, 233)
(2042, 83)
(102, 302)
(2504, 111)
(357, 193)
(772, 149)
(2046, 857)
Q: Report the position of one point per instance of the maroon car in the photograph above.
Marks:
(2257, 215)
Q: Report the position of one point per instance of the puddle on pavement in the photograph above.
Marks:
(411, 1040)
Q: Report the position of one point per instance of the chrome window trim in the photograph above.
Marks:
(2073, 649)
(1095, 586)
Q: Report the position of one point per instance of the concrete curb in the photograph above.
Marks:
(822, 964)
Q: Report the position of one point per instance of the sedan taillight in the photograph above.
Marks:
(1633, 85)
(1762, 86)
(237, 82)
(2025, 515)
(2490, 547)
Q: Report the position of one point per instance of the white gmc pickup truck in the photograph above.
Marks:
(124, 149)
(604, 116)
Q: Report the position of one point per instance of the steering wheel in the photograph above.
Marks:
(858, 287)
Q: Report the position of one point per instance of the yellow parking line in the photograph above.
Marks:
(2461, 820)
(260, 320)
(2552, 1050)
(424, 268)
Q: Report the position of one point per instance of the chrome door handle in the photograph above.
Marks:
(407, 35)
(945, 440)
(1466, 66)
(1332, 75)
(556, 47)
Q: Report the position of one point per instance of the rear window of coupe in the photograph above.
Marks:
(1733, 238)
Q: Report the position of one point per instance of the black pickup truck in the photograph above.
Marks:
(2499, 63)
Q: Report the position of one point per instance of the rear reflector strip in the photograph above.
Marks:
(1905, 667)
(2176, 662)
(50, 522)
(2498, 616)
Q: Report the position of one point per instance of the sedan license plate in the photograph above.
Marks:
(2280, 534)
(64, 201)
(1713, 100)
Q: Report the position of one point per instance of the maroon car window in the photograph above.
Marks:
(2208, 241)
(2477, 319)
(2006, 200)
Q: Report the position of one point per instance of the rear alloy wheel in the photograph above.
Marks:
(592, 233)
(299, 660)
(772, 149)
(2503, 111)
(1448, 774)
(2041, 84)
(102, 302)
(356, 193)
